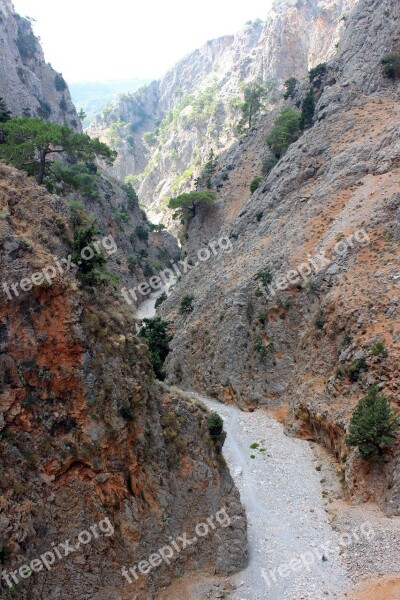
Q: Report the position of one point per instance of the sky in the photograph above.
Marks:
(88, 40)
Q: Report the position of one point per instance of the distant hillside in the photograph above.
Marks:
(93, 96)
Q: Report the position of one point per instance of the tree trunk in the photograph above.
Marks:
(42, 167)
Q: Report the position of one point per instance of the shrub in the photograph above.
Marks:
(122, 216)
(319, 321)
(373, 426)
(215, 426)
(147, 270)
(268, 164)
(286, 130)
(161, 299)
(155, 332)
(80, 176)
(59, 83)
(132, 262)
(265, 277)
(260, 348)
(290, 86)
(391, 64)
(317, 72)
(133, 199)
(27, 44)
(378, 349)
(89, 271)
(186, 305)
(255, 184)
(142, 232)
(355, 368)
(307, 109)
(44, 111)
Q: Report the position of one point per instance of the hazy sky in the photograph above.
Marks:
(88, 40)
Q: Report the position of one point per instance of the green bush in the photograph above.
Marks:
(122, 216)
(186, 305)
(317, 72)
(59, 83)
(307, 109)
(142, 232)
(80, 176)
(89, 271)
(215, 426)
(319, 321)
(268, 164)
(378, 349)
(355, 368)
(286, 130)
(373, 426)
(391, 64)
(265, 277)
(155, 332)
(133, 199)
(44, 111)
(161, 299)
(290, 85)
(255, 184)
(27, 44)
(132, 262)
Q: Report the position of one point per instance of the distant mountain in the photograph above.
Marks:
(93, 96)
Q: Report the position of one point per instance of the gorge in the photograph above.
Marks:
(290, 132)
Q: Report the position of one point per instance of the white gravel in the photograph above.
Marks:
(281, 491)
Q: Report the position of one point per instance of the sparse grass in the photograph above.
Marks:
(378, 349)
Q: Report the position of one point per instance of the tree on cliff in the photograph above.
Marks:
(29, 144)
(185, 206)
(252, 104)
(373, 426)
(286, 130)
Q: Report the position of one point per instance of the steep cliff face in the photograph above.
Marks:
(88, 436)
(194, 108)
(321, 233)
(28, 84)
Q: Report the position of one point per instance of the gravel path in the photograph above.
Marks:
(281, 491)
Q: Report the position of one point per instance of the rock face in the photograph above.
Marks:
(88, 436)
(194, 108)
(101, 466)
(28, 84)
(322, 233)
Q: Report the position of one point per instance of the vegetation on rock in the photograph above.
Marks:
(286, 130)
(373, 426)
(155, 332)
(391, 65)
(30, 142)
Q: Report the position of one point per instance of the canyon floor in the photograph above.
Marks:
(305, 541)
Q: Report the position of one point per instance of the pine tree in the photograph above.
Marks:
(373, 426)
(308, 109)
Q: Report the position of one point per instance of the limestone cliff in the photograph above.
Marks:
(194, 108)
(310, 339)
(29, 85)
